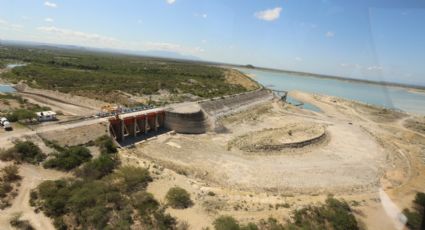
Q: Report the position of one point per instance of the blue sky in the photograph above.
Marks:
(376, 40)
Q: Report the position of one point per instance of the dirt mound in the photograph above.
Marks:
(296, 135)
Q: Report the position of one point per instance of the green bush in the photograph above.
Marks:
(70, 158)
(178, 198)
(145, 203)
(23, 151)
(112, 202)
(131, 179)
(416, 218)
(98, 168)
(334, 212)
(250, 226)
(20, 115)
(226, 223)
(106, 145)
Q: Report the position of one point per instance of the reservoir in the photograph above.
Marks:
(409, 100)
(6, 89)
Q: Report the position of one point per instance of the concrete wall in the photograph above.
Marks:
(195, 122)
(218, 107)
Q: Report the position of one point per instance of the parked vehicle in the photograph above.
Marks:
(2, 120)
(7, 126)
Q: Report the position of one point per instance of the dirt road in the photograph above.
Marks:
(32, 177)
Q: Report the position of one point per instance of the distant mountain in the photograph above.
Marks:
(150, 53)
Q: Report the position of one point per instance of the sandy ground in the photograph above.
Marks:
(32, 176)
(327, 167)
(370, 159)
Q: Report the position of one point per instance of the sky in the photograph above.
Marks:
(380, 40)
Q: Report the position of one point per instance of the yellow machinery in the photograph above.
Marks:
(109, 108)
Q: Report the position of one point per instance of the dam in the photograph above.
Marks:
(186, 118)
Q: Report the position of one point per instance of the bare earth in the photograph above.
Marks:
(32, 177)
(372, 158)
(369, 158)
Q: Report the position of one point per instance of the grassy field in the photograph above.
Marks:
(97, 75)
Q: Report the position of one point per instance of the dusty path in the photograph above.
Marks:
(32, 177)
(66, 108)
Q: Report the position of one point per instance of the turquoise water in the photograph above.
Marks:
(303, 105)
(387, 96)
(7, 89)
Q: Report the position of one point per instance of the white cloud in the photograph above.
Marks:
(9, 26)
(50, 4)
(204, 41)
(164, 46)
(54, 34)
(330, 34)
(269, 14)
(203, 15)
(171, 1)
(81, 38)
(49, 20)
(374, 68)
(298, 59)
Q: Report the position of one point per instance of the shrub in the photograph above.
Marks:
(23, 151)
(98, 168)
(226, 223)
(250, 226)
(145, 203)
(272, 224)
(69, 159)
(334, 213)
(11, 173)
(106, 145)
(20, 224)
(416, 218)
(178, 198)
(5, 188)
(20, 115)
(131, 178)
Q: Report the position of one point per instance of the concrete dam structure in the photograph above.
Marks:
(133, 125)
(223, 106)
(186, 118)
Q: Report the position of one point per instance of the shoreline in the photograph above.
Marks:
(338, 78)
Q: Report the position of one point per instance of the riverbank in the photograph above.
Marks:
(392, 97)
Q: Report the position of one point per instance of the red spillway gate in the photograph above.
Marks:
(137, 125)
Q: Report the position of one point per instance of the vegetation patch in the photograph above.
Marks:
(334, 214)
(116, 201)
(69, 158)
(416, 218)
(9, 183)
(178, 198)
(15, 108)
(19, 224)
(23, 151)
(416, 124)
(98, 75)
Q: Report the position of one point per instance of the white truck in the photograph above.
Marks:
(5, 123)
